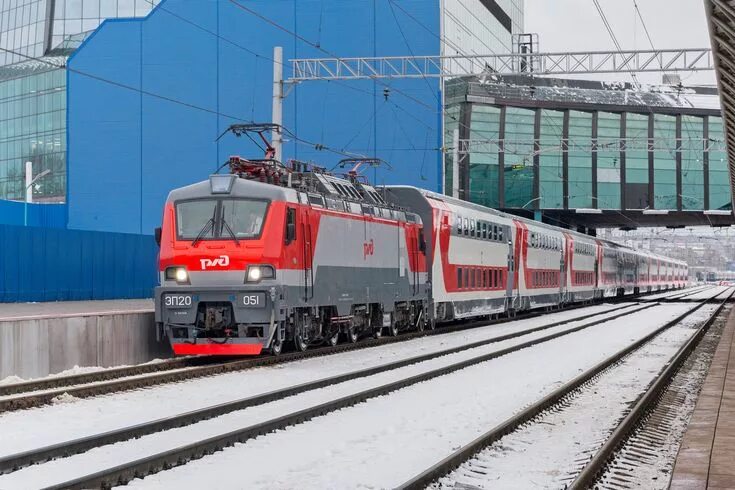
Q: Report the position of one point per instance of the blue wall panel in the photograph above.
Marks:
(45, 264)
(48, 215)
(148, 98)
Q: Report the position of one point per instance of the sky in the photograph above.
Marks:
(575, 25)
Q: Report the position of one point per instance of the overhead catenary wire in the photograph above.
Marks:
(269, 58)
(612, 35)
(172, 100)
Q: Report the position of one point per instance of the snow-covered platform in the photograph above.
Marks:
(707, 452)
(37, 339)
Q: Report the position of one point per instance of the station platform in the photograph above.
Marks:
(37, 339)
(706, 458)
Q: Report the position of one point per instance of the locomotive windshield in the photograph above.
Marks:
(220, 219)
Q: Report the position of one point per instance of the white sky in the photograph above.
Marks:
(575, 25)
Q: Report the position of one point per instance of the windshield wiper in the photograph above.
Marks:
(207, 226)
(226, 226)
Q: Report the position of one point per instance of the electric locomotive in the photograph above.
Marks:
(267, 254)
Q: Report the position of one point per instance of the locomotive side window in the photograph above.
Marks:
(459, 277)
(290, 225)
(459, 225)
(484, 230)
(472, 227)
(466, 226)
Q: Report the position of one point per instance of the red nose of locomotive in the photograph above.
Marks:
(221, 245)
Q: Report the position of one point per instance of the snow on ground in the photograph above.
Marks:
(664, 295)
(709, 293)
(72, 372)
(53, 424)
(539, 379)
(558, 439)
(387, 440)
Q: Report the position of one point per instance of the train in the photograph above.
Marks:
(270, 255)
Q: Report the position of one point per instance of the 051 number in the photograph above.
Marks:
(251, 300)
(178, 301)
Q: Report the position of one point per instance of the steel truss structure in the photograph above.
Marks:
(721, 18)
(586, 146)
(634, 61)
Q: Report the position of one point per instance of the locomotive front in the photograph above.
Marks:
(221, 245)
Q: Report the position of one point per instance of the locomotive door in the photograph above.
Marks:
(510, 276)
(307, 251)
(564, 260)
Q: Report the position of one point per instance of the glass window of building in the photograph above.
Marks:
(719, 177)
(608, 160)
(664, 162)
(32, 111)
(580, 160)
(692, 162)
(519, 148)
(636, 161)
(551, 160)
(484, 158)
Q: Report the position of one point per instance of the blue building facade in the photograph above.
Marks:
(120, 111)
(148, 98)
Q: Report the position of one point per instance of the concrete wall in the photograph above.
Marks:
(30, 348)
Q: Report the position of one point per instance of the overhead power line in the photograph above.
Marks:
(612, 35)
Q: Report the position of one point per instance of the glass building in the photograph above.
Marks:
(33, 118)
(35, 27)
(566, 150)
(36, 36)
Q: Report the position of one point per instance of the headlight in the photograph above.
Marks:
(258, 272)
(178, 274)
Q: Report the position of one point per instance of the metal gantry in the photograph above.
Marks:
(634, 61)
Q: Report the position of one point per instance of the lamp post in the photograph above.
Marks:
(30, 180)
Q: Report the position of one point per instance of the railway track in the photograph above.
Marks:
(471, 461)
(647, 456)
(18, 396)
(181, 454)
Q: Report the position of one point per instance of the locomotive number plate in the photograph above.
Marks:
(253, 300)
(177, 300)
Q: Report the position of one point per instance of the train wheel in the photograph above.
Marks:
(333, 340)
(276, 347)
(393, 329)
(377, 332)
(352, 335)
(420, 325)
(299, 342)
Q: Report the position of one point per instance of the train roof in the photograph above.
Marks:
(484, 209)
(242, 188)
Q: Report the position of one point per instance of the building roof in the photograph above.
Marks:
(721, 19)
(580, 93)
